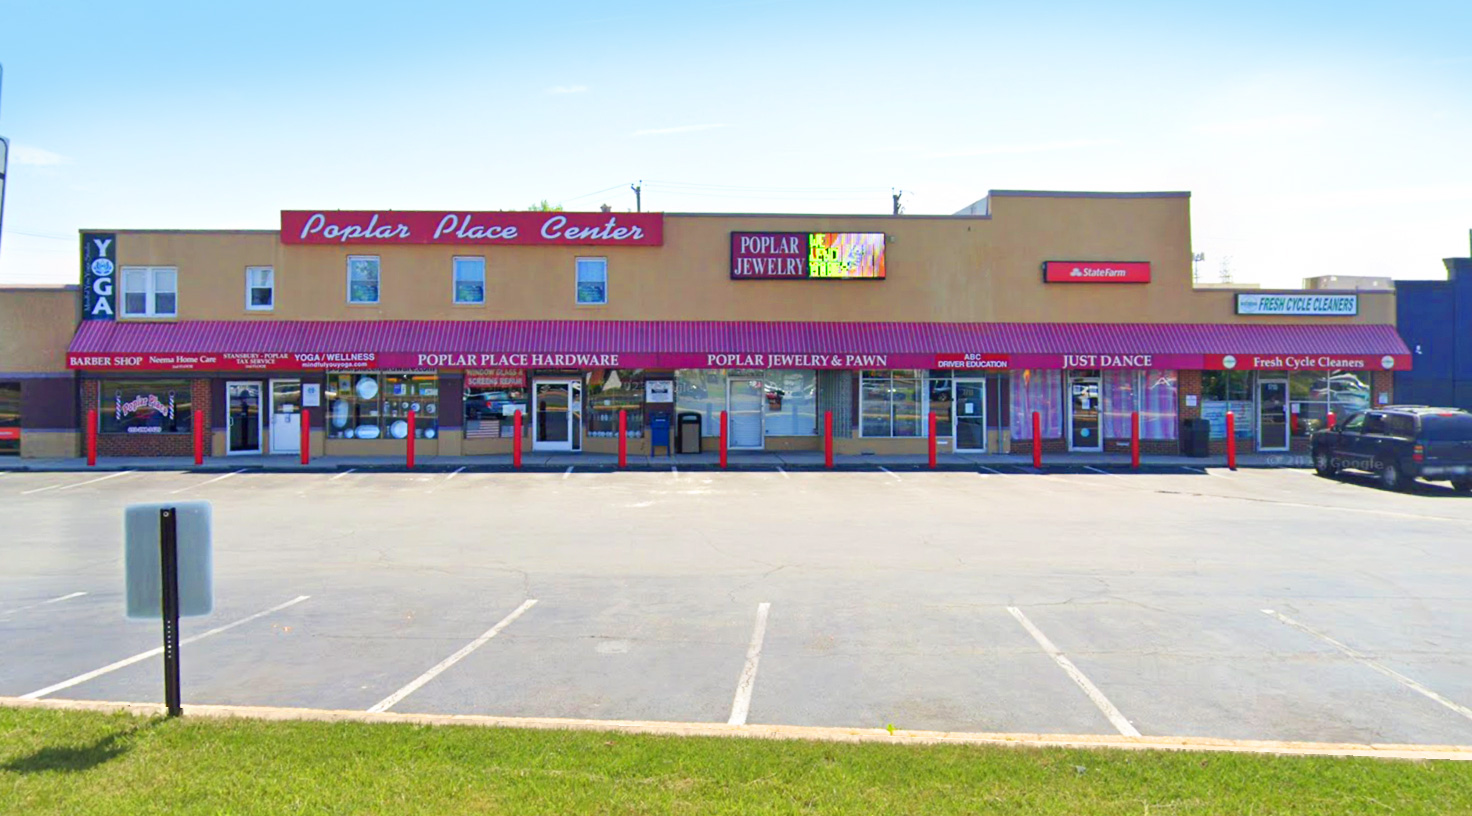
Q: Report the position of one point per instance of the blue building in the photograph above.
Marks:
(1435, 319)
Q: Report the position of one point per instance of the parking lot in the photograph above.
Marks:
(1255, 604)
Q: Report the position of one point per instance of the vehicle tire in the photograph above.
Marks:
(1462, 485)
(1323, 464)
(1391, 478)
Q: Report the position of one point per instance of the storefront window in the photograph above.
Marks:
(1223, 391)
(889, 404)
(609, 391)
(940, 401)
(1313, 395)
(370, 405)
(791, 403)
(1152, 393)
(145, 406)
(702, 391)
(492, 399)
(1039, 390)
(9, 418)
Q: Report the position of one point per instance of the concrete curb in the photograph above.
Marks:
(1462, 753)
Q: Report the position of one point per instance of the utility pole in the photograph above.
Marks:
(638, 196)
(897, 208)
(4, 160)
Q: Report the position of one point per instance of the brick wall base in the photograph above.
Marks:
(149, 444)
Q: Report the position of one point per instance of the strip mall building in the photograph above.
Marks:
(1077, 306)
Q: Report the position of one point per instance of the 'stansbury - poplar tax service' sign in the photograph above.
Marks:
(807, 256)
(1265, 303)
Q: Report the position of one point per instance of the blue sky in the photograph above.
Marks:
(1316, 138)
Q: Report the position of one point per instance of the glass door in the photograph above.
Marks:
(1083, 412)
(969, 411)
(558, 415)
(286, 416)
(242, 417)
(1272, 414)
(745, 401)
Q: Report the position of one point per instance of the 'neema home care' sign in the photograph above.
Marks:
(807, 256)
(511, 228)
(1265, 303)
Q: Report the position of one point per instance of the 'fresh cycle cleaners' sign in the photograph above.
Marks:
(1263, 303)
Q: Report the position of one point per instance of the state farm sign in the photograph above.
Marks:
(1096, 272)
(510, 228)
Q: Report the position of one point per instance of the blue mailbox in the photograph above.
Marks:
(659, 434)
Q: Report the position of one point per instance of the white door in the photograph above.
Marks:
(968, 416)
(242, 418)
(286, 416)
(745, 400)
(557, 415)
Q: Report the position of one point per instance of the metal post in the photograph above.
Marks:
(409, 448)
(1329, 421)
(168, 541)
(516, 442)
(306, 436)
(623, 438)
(828, 439)
(1231, 441)
(198, 440)
(723, 440)
(91, 437)
(1037, 439)
(1135, 440)
(932, 440)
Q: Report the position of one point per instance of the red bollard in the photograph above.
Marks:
(623, 438)
(198, 441)
(932, 440)
(828, 439)
(306, 436)
(516, 442)
(723, 440)
(1135, 440)
(1231, 441)
(91, 437)
(409, 448)
(1037, 439)
(1329, 421)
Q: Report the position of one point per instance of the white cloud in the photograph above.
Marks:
(36, 157)
(1036, 147)
(679, 129)
(567, 89)
(1263, 126)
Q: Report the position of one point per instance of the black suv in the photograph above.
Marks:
(1400, 443)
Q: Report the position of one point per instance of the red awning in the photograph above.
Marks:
(458, 344)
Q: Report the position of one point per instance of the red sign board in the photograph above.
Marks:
(769, 255)
(973, 362)
(807, 256)
(443, 227)
(1096, 272)
(1308, 362)
(9, 433)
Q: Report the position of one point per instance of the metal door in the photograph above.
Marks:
(1272, 414)
(968, 411)
(1083, 414)
(242, 417)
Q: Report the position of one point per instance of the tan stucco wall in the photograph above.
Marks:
(36, 326)
(965, 269)
(49, 445)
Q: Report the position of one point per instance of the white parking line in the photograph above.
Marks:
(210, 481)
(568, 472)
(112, 667)
(675, 471)
(43, 603)
(742, 704)
(784, 473)
(1115, 717)
(1096, 470)
(39, 489)
(344, 473)
(1371, 663)
(388, 702)
(456, 472)
(896, 476)
(992, 471)
(98, 479)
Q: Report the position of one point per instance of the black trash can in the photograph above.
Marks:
(1196, 437)
(687, 440)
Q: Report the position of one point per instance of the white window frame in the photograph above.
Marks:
(577, 281)
(348, 271)
(251, 307)
(150, 291)
(455, 280)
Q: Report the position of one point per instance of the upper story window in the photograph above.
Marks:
(260, 288)
(470, 280)
(363, 278)
(592, 281)
(150, 291)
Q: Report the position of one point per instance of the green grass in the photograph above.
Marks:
(89, 763)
